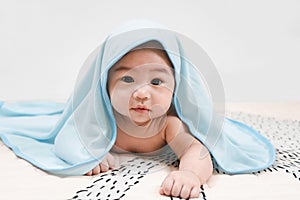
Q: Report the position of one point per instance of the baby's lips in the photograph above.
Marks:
(140, 107)
(141, 110)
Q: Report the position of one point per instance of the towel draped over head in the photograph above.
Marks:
(72, 138)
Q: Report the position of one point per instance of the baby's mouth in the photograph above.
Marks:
(141, 109)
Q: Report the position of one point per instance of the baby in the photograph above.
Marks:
(141, 87)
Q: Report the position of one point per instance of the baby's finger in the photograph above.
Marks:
(161, 190)
(167, 186)
(104, 166)
(96, 170)
(110, 161)
(195, 192)
(176, 189)
(185, 192)
(89, 173)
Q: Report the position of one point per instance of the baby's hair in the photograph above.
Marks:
(154, 45)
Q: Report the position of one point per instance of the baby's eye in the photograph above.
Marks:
(156, 81)
(127, 79)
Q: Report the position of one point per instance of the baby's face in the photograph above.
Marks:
(141, 85)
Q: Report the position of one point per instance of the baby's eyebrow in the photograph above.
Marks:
(122, 68)
(162, 70)
(125, 68)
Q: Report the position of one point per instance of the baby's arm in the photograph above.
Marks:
(195, 166)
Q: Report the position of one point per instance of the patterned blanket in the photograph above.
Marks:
(140, 177)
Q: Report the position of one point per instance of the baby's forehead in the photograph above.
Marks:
(143, 69)
(154, 58)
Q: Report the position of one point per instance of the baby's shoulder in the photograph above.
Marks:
(174, 124)
(173, 120)
(174, 127)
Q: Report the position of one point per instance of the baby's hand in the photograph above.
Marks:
(107, 163)
(184, 184)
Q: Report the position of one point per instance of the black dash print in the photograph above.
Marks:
(98, 180)
(88, 187)
(295, 175)
(81, 191)
(104, 175)
(270, 169)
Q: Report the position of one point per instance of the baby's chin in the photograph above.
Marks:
(145, 122)
(140, 119)
(141, 123)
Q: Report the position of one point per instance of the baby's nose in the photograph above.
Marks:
(142, 93)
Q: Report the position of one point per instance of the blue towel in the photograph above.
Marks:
(72, 138)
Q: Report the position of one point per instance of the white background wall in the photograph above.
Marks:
(254, 44)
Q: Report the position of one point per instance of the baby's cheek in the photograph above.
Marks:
(120, 99)
(157, 111)
(164, 99)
